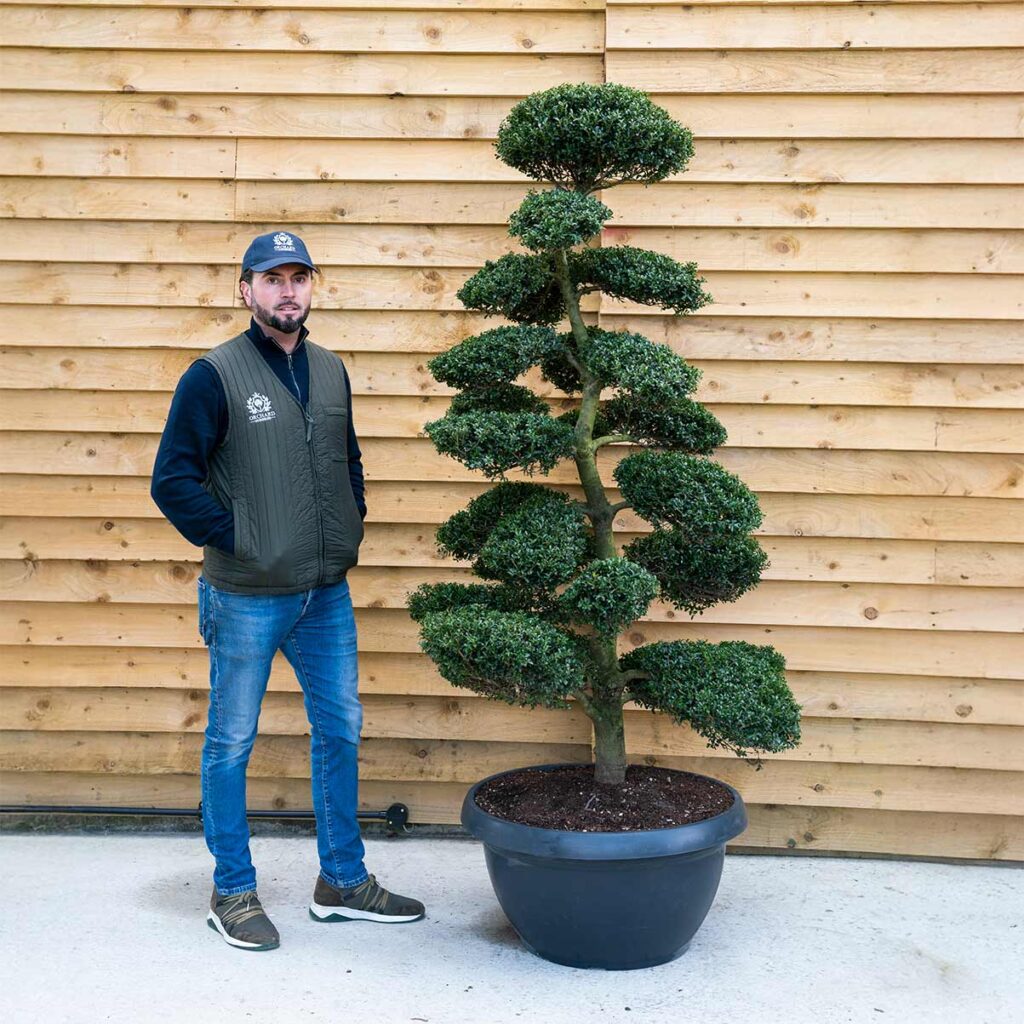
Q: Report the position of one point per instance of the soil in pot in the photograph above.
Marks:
(567, 798)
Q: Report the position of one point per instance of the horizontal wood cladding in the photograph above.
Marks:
(118, 500)
(831, 740)
(878, 71)
(735, 338)
(806, 648)
(854, 204)
(369, 5)
(781, 601)
(254, 73)
(782, 27)
(765, 205)
(795, 161)
(785, 514)
(769, 426)
(954, 296)
(772, 826)
(790, 470)
(959, 385)
(709, 116)
(834, 694)
(769, 26)
(713, 248)
(331, 31)
(882, 787)
(97, 542)
(831, 71)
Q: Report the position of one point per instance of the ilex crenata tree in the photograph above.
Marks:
(544, 627)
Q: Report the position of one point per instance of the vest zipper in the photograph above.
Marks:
(322, 562)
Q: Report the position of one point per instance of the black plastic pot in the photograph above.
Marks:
(617, 900)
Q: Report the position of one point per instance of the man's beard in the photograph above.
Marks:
(287, 324)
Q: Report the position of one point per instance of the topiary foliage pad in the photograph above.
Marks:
(545, 625)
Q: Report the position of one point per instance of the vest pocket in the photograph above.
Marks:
(336, 429)
(245, 542)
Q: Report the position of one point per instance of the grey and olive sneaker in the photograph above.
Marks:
(242, 921)
(369, 901)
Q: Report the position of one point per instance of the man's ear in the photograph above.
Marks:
(246, 292)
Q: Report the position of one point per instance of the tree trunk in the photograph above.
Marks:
(605, 704)
(609, 750)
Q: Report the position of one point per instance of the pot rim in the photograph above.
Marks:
(691, 837)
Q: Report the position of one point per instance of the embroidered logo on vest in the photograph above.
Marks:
(259, 408)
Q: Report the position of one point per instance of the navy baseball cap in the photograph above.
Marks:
(275, 248)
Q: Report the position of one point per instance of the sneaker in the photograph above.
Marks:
(242, 921)
(369, 901)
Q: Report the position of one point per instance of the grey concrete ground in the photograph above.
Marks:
(111, 928)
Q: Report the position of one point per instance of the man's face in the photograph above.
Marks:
(280, 297)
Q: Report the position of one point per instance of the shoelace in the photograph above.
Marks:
(378, 895)
(241, 908)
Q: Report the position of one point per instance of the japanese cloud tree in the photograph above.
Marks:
(544, 627)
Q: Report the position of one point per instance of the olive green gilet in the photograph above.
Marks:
(283, 476)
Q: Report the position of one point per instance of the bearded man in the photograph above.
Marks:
(259, 464)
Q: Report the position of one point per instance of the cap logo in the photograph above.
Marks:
(259, 408)
(283, 242)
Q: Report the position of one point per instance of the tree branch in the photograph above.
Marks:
(572, 360)
(584, 699)
(619, 506)
(611, 439)
(634, 673)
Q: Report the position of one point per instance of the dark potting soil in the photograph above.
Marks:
(567, 798)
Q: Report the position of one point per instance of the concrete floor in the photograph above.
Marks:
(111, 928)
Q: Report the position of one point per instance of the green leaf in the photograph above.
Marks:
(592, 136)
(651, 278)
(679, 424)
(538, 545)
(557, 219)
(464, 534)
(696, 574)
(609, 594)
(429, 598)
(696, 495)
(494, 357)
(734, 694)
(510, 656)
(521, 288)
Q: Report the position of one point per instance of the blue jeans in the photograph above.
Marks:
(316, 629)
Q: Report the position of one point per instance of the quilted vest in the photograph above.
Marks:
(283, 473)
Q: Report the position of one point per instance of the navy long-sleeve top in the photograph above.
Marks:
(197, 424)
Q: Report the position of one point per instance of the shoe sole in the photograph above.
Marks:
(255, 947)
(331, 915)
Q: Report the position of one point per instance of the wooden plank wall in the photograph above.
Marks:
(854, 203)
(853, 206)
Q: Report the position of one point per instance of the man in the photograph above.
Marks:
(259, 464)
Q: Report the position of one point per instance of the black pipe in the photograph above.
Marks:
(396, 816)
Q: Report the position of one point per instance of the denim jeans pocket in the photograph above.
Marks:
(204, 603)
